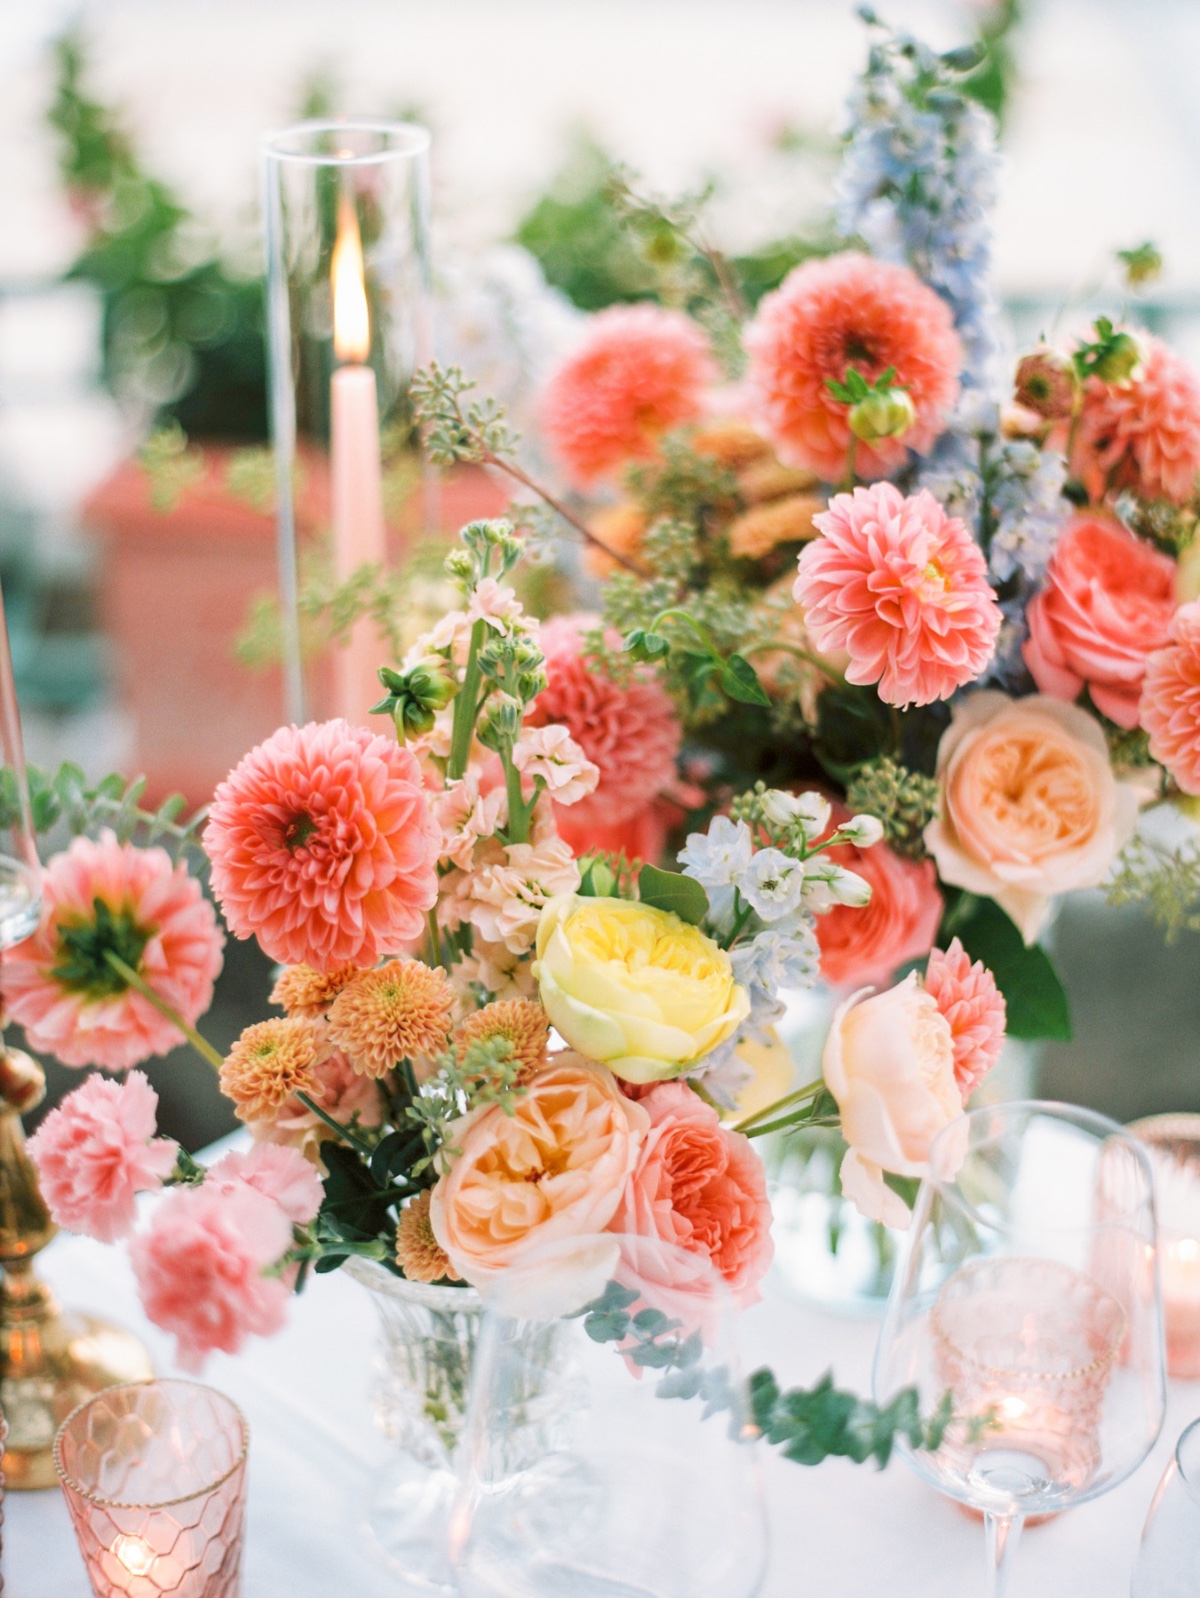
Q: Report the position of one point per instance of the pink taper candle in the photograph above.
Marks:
(359, 536)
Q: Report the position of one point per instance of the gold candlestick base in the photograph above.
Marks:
(49, 1360)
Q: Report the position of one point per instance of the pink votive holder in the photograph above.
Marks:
(1173, 1142)
(154, 1474)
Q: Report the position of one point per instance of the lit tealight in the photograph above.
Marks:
(1013, 1408)
(135, 1553)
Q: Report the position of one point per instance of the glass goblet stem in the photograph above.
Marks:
(1003, 1534)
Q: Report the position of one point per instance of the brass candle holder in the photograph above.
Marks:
(50, 1359)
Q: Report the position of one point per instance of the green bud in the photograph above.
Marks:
(1119, 359)
(415, 696)
(500, 723)
(1141, 265)
(884, 413)
(460, 565)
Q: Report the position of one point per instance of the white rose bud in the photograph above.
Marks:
(862, 831)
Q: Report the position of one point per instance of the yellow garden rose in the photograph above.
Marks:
(634, 987)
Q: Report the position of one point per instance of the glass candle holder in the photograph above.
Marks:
(154, 1474)
(347, 229)
(1173, 1142)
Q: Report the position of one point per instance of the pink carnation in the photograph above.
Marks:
(58, 984)
(902, 588)
(639, 371)
(849, 311)
(323, 846)
(701, 1189)
(96, 1151)
(967, 996)
(1170, 706)
(282, 1174)
(1143, 434)
(629, 730)
(199, 1267)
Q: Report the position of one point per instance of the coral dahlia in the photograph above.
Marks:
(107, 897)
(973, 1006)
(323, 846)
(903, 589)
(1170, 705)
(849, 311)
(1142, 434)
(639, 371)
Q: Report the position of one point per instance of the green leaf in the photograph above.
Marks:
(671, 890)
(353, 1206)
(740, 681)
(1033, 991)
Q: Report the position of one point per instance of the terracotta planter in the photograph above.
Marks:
(175, 589)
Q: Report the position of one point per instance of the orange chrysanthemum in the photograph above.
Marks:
(302, 991)
(1143, 434)
(519, 1022)
(639, 371)
(850, 311)
(269, 1062)
(400, 1011)
(418, 1253)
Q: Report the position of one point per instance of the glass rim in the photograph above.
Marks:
(1189, 1480)
(69, 1484)
(414, 140)
(1052, 1109)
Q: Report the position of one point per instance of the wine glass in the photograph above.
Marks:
(1026, 1301)
(1168, 1564)
(20, 873)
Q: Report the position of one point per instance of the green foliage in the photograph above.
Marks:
(453, 431)
(1164, 882)
(815, 1423)
(114, 802)
(1033, 991)
(905, 801)
(994, 78)
(171, 465)
(670, 890)
(81, 960)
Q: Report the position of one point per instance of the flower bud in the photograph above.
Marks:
(1119, 359)
(500, 723)
(459, 564)
(864, 832)
(847, 887)
(415, 696)
(808, 811)
(886, 413)
(1047, 384)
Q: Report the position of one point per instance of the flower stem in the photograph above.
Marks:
(343, 1132)
(808, 1091)
(435, 938)
(556, 505)
(770, 646)
(201, 1044)
(846, 486)
(465, 712)
(518, 812)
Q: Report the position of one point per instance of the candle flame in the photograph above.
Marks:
(135, 1553)
(1013, 1408)
(351, 319)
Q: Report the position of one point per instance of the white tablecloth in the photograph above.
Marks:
(839, 1531)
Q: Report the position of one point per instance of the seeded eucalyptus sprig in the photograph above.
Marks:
(114, 802)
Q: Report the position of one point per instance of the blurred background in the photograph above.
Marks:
(135, 486)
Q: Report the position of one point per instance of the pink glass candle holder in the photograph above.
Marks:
(1173, 1142)
(154, 1475)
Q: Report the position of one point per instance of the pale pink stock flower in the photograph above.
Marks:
(974, 1007)
(450, 635)
(97, 1020)
(1170, 703)
(323, 846)
(466, 815)
(494, 969)
(903, 589)
(495, 604)
(279, 1173)
(97, 1151)
(551, 753)
(200, 1267)
(502, 894)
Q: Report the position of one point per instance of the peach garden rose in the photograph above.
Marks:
(1030, 806)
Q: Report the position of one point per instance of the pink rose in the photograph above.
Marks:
(1108, 602)
(863, 946)
(97, 1150)
(200, 1263)
(889, 1063)
(700, 1189)
(279, 1173)
(1030, 806)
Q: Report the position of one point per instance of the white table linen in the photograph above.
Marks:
(838, 1531)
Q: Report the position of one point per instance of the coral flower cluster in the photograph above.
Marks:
(1142, 433)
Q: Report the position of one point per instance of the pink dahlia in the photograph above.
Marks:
(1170, 705)
(968, 998)
(97, 1151)
(323, 846)
(902, 588)
(200, 1268)
(639, 371)
(849, 311)
(629, 730)
(107, 897)
(1143, 434)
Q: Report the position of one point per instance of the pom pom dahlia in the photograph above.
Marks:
(97, 1151)
(967, 996)
(271, 1061)
(903, 589)
(639, 371)
(107, 897)
(323, 846)
(302, 991)
(524, 1026)
(1143, 434)
(1170, 705)
(418, 1253)
(849, 311)
(401, 1011)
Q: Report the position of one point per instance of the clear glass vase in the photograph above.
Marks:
(421, 1390)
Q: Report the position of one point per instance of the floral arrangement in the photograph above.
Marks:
(489, 1043)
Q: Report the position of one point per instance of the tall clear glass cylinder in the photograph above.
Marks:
(346, 208)
(20, 873)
